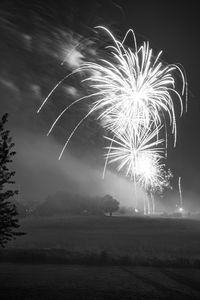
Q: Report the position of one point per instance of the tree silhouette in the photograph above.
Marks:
(110, 204)
(8, 212)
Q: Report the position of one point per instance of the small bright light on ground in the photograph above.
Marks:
(136, 210)
(181, 209)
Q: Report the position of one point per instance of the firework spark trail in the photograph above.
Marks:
(139, 156)
(150, 171)
(180, 192)
(136, 84)
(133, 97)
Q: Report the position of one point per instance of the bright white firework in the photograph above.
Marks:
(138, 156)
(133, 97)
(134, 89)
(137, 88)
(141, 161)
(150, 171)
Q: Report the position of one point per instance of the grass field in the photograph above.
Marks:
(84, 257)
(51, 281)
(158, 237)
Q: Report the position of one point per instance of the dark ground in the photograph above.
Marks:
(51, 281)
(116, 258)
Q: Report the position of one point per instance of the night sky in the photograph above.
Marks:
(36, 38)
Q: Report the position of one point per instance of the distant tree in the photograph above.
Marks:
(110, 205)
(67, 203)
(8, 211)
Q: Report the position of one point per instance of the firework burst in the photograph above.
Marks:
(138, 156)
(133, 97)
(132, 89)
(135, 88)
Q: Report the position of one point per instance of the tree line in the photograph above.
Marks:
(63, 203)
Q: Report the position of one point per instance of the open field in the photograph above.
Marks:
(131, 236)
(85, 257)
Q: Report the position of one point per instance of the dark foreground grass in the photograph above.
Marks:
(102, 258)
(47, 281)
(122, 241)
(115, 237)
(63, 256)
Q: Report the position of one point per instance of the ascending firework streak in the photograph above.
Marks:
(180, 195)
(133, 99)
